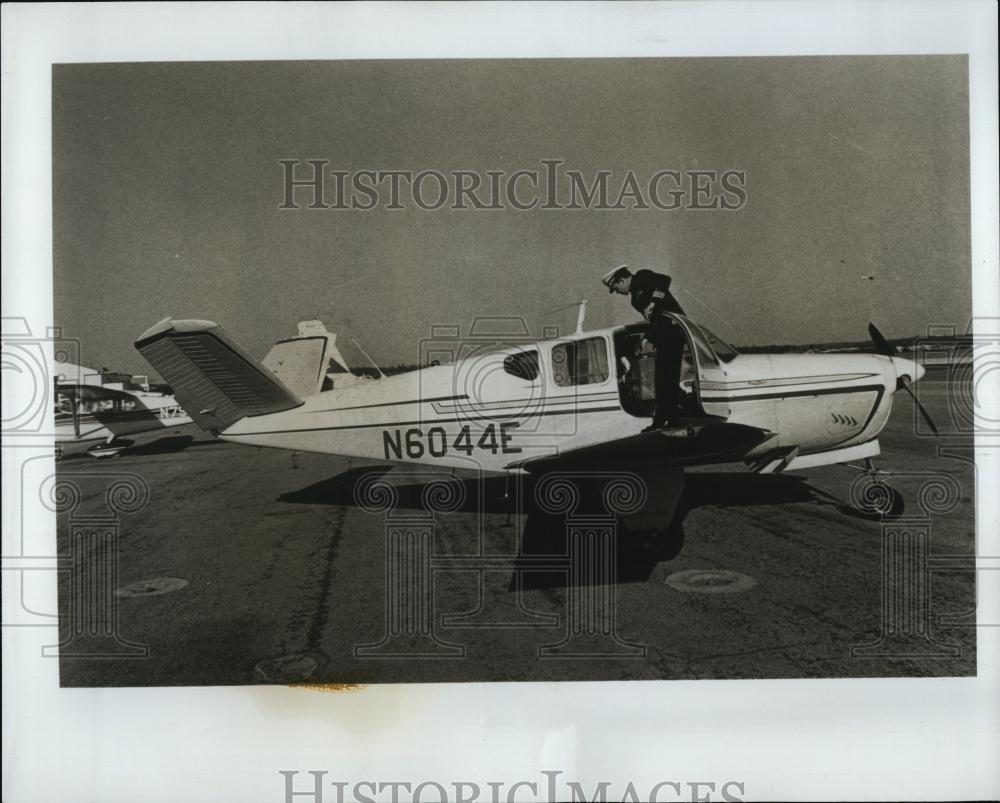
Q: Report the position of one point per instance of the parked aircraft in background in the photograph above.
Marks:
(87, 410)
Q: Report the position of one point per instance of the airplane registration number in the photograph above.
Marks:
(436, 442)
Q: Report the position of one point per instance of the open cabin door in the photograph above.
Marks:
(709, 371)
(703, 367)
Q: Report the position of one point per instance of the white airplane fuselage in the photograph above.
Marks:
(484, 412)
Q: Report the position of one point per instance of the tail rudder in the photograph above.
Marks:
(214, 380)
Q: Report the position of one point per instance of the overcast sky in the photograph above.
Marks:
(167, 186)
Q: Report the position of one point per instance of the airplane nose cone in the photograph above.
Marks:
(908, 368)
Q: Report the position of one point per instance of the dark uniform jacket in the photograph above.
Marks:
(648, 288)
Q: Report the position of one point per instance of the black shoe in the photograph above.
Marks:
(655, 426)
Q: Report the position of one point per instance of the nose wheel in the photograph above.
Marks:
(876, 497)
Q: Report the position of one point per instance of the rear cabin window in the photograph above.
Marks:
(580, 362)
(523, 365)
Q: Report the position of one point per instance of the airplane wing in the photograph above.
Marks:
(699, 441)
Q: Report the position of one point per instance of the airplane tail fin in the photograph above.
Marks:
(214, 380)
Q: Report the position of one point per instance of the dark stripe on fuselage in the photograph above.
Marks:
(463, 397)
(390, 404)
(879, 390)
(424, 421)
(793, 394)
(790, 381)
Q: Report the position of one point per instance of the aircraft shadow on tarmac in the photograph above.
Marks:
(165, 445)
(546, 534)
(173, 443)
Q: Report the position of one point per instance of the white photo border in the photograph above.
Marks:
(925, 739)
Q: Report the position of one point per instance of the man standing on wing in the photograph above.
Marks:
(651, 297)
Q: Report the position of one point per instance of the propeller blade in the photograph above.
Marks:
(880, 342)
(923, 410)
(889, 351)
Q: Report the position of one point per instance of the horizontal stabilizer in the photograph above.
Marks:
(214, 380)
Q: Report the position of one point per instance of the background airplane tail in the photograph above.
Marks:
(214, 380)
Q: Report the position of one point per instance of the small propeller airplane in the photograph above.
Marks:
(573, 403)
(86, 413)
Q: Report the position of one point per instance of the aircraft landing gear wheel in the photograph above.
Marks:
(883, 501)
(873, 496)
(896, 503)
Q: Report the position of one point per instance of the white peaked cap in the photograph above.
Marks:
(607, 277)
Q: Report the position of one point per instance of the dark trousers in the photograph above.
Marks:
(669, 342)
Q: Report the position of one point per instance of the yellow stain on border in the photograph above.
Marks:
(335, 687)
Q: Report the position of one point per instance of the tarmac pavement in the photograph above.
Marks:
(238, 565)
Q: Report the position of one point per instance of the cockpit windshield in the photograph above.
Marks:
(720, 347)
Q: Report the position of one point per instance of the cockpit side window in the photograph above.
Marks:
(580, 362)
(523, 365)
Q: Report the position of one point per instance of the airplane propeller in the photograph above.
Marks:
(888, 350)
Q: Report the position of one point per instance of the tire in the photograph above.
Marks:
(882, 501)
(896, 506)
